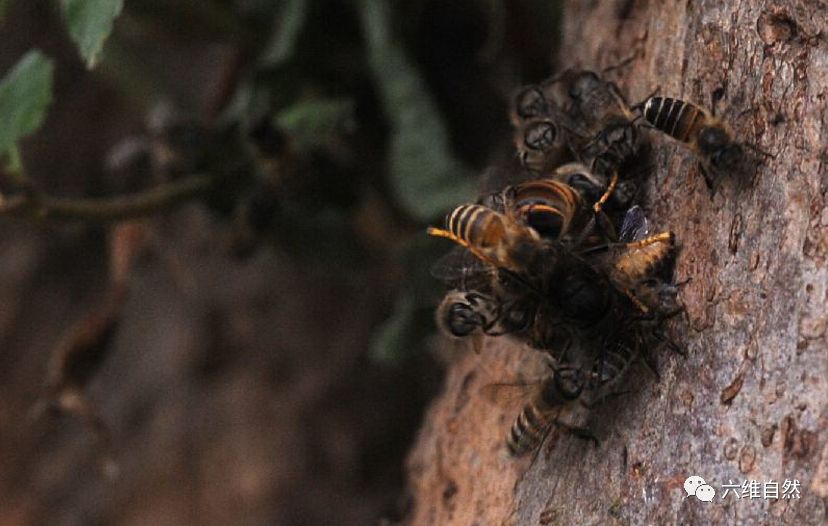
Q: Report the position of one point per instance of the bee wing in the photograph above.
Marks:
(460, 266)
(635, 225)
(509, 393)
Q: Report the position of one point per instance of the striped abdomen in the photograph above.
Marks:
(546, 205)
(529, 429)
(677, 118)
(476, 225)
(642, 259)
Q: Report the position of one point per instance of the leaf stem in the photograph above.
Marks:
(33, 205)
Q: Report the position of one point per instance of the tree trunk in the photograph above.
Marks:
(749, 400)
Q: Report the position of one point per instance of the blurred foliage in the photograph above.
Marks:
(329, 134)
(289, 21)
(26, 90)
(311, 123)
(375, 114)
(411, 322)
(90, 23)
(427, 178)
(25, 95)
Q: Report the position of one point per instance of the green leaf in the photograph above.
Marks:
(312, 122)
(427, 178)
(90, 23)
(14, 165)
(390, 342)
(4, 6)
(25, 94)
(288, 24)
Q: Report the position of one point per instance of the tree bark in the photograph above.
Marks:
(749, 400)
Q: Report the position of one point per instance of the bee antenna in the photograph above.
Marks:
(638, 108)
(759, 150)
(623, 63)
(683, 282)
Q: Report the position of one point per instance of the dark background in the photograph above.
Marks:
(263, 354)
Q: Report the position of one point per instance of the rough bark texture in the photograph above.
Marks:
(749, 400)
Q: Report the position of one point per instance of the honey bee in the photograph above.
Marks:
(528, 103)
(473, 314)
(615, 359)
(556, 206)
(595, 101)
(708, 136)
(483, 300)
(495, 238)
(582, 374)
(558, 213)
(531, 258)
(541, 143)
(597, 189)
(641, 257)
(543, 132)
(462, 313)
(493, 273)
(547, 399)
(608, 136)
(550, 207)
(577, 115)
(578, 176)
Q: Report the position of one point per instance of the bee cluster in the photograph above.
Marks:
(565, 260)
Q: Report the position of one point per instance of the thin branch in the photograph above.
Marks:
(37, 206)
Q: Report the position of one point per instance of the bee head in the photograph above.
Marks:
(584, 83)
(530, 102)
(712, 139)
(728, 158)
(568, 384)
(658, 294)
(540, 135)
(461, 319)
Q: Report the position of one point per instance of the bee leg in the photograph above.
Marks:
(710, 179)
(758, 150)
(637, 302)
(659, 334)
(651, 364)
(439, 232)
(610, 188)
(622, 64)
(661, 237)
(684, 281)
(540, 447)
(601, 223)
